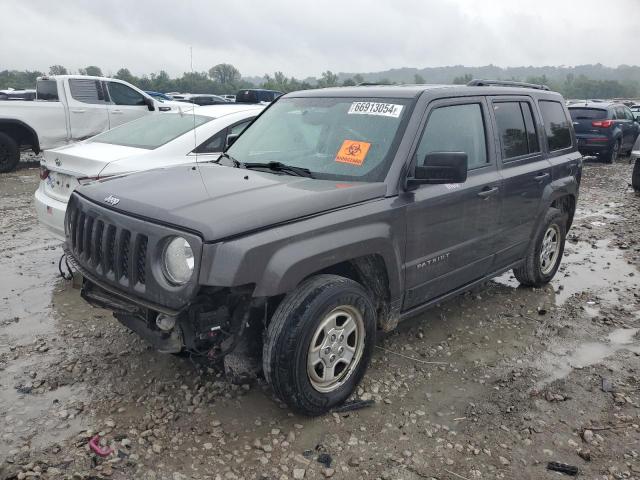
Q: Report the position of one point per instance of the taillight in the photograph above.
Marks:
(602, 123)
(85, 180)
(44, 172)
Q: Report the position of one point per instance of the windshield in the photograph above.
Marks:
(334, 138)
(587, 113)
(151, 131)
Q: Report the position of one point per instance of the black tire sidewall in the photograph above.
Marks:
(10, 161)
(615, 149)
(552, 216)
(294, 386)
(635, 176)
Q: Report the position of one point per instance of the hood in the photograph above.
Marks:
(87, 159)
(218, 201)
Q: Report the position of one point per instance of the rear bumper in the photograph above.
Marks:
(50, 213)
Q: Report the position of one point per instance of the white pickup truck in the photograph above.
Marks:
(69, 108)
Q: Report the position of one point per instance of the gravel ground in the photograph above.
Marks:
(494, 384)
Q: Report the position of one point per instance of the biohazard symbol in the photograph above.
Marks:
(353, 152)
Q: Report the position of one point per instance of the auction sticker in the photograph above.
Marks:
(375, 108)
(353, 152)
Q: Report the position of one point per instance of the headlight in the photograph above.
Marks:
(178, 261)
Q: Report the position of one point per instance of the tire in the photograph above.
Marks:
(612, 155)
(9, 153)
(536, 271)
(635, 176)
(299, 375)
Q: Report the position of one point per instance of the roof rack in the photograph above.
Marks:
(505, 83)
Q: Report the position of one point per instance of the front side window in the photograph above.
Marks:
(556, 125)
(151, 131)
(86, 90)
(516, 128)
(47, 90)
(351, 139)
(239, 128)
(455, 128)
(124, 95)
(215, 144)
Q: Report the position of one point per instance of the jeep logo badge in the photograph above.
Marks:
(111, 200)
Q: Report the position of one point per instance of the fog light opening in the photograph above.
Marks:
(165, 322)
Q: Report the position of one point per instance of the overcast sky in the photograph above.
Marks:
(304, 38)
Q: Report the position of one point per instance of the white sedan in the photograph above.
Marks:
(196, 134)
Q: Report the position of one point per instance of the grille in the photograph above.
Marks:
(106, 249)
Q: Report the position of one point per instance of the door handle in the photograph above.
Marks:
(541, 177)
(117, 112)
(78, 110)
(487, 192)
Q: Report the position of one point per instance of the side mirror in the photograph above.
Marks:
(231, 138)
(440, 168)
(150, 103)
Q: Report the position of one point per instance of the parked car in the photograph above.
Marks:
(201, 99)
(153, 141)
(348, 210)
(604, 129)
(159, 95)
(12, 94)
(257, 95)
(70, 108)
(229, 98)
(635, 158)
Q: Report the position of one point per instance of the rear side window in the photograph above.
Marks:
(556, 125)
(86, 91)
(588, 114)
(516, 128)
(47, 90)
(456, 128)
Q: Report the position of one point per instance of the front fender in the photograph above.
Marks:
(277, 259)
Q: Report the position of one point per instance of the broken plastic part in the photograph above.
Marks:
(94, 445)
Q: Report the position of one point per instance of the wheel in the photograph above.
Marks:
(545, 253)
(612, 155)
(319, 342)
(635, 176)
(9, 153)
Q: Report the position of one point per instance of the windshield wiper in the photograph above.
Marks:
(281, 167)
(236, 163)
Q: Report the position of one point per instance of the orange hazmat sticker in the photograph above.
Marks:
(353, 152)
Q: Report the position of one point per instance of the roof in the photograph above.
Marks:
(217, 111)
(412, 91)
(598, 105)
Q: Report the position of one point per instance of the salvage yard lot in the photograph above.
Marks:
(493, 384)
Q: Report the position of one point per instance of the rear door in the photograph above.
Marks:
(451, 228)
(126, 103)
(525, 173)
(88, 114)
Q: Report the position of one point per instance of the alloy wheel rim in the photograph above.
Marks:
(335, 349)
(550, 249)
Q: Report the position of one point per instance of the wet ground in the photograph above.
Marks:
(494, 384)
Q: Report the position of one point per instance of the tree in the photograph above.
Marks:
(57, 70)
(225, 74)
(463, 80)
(125, 75)
(91, 70)
(358, 78)
(419, 79)
(329, 79)
(349, 82)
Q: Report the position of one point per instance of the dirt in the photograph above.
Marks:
(493, 384)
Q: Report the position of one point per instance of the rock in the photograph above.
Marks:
(587, 436)
(157, 448)
(585, 454)
(207, 445)
(328, 472)
(298, 473)
(503, 460)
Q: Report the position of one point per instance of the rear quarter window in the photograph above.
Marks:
(556, 125)
(86, 91)
(47, 90)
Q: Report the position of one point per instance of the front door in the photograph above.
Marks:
(526, 172)
(451, 228)
(126, 105)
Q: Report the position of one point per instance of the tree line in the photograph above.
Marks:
(224, 78)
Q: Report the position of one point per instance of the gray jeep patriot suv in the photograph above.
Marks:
(336, 214)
